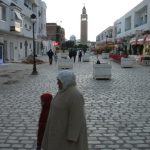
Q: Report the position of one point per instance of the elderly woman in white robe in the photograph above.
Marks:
(66, 126)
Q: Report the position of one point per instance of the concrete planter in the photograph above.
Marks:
(105, 55)
(102, 71)
(65, 63)
(146, 62)
(64, 55)
(86, 58)
(127, 62)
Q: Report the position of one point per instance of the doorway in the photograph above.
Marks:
(1, 54)
(11, 51)
(26, 48)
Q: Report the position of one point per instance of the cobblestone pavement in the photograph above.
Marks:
(117, 110)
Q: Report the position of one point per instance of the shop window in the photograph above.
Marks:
(145, 19)
(26, 3)
(147, 49)
(25, 26)
(2, 13)
(20, 45)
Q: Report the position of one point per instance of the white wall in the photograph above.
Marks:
(131, 13)
(26, 34)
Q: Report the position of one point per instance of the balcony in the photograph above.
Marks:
(15, 26)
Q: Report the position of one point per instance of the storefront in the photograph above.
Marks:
(118, 47)
(133, 48)
(137, 45)
(146, 51)
(140, 43)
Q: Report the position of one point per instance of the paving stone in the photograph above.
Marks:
(143, 145)
(4, 145)
(117, 110)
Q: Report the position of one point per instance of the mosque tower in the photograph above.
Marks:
(84, 27)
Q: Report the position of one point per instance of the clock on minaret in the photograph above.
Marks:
(84, 25)
(83, 19)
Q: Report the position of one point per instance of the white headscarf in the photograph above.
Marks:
(67, 78)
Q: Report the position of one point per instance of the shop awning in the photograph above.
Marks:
(133, 41)
(141, 40)
(147, 39)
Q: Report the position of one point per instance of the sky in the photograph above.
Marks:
(101, 14)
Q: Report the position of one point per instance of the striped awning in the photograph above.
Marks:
(147, 39)
(141, 40)
(133, 41)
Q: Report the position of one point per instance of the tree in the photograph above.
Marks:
(68, 44)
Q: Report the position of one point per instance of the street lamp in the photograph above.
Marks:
(106, 36)
(106, 39)
(33, 20)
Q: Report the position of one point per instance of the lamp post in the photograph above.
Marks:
(106, 43)
(106, 39)
(33, 20)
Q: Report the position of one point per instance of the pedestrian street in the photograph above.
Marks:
(117, 110)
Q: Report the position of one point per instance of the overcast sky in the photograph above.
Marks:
(101, 14)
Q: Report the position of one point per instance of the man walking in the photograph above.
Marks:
(80, 56)
(50, 55)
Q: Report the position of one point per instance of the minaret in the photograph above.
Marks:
(84, 27)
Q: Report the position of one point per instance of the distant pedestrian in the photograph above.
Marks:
(80, 56)
(74, 53)
(70, 53)
(50, 55)
(66, 125)
(55, 57)
(98, 62)
(84, 50)
(45, 103)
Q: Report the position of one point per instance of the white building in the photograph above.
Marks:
(16, 28)
(105, 38)
(130, 30)
(73, 38)
(136, 20)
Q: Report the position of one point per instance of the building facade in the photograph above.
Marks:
(16, 28)
(105, 39)
(84, 27)
(73, 38)
(131, 31)
(56, 34)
